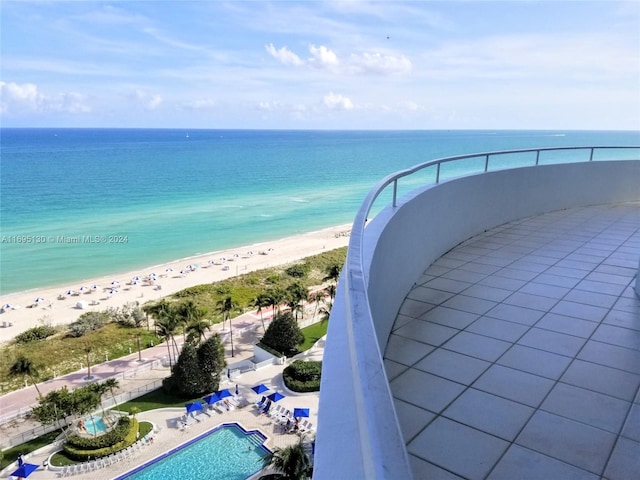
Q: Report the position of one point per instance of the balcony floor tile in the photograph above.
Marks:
(538, 374)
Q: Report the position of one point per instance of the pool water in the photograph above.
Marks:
(224, 453)
(94, 425)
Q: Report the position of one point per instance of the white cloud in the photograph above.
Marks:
(323, 57)
(284, 55)
(148, 101)
(375, 62)
(26, 97)
(335, 101)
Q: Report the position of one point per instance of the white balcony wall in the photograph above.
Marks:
(399, 244)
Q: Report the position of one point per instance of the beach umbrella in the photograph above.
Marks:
(25, 470)
(275, 397)
(250, 253)
(113, 291)
(69, 292)
(211, 399)
(236, 255)
(83, 289)
(224, 393)
(115, 283)
(212, 262)
(169, 270)
(300, 412)
(94, 287)
(193, 407)
(260, 388)
(39, 300)
(6, 307)
(269, 249)
(135, 279)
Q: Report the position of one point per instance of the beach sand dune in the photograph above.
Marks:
(57, 307)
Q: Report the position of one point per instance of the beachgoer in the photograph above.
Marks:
(288, 427)
(228, 405)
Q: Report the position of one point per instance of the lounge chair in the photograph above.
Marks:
(265, 410)
(260, 403)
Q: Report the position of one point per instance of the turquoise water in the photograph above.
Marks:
(94, 425)
(76, 204)
(225, 454)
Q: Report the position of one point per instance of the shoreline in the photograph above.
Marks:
(240, 260)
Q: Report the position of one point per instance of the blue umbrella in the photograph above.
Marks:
(211, 399)
(300, 412)
(193, 407)
(260, 388)
(24, 470)
(224, 393)
(275, 397)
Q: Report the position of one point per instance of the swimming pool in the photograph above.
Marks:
(227, 452)
(94, 425)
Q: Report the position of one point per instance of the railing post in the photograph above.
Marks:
(591, 155)
(486, 163)
(395, 192)
(537, 157)
(438, 172)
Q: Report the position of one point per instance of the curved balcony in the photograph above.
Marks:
(447, 202)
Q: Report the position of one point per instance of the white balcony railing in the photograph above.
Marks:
(358, 432)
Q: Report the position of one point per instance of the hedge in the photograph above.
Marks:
(84, 449)
(303, 376)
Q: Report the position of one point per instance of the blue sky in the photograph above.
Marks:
(321, 65)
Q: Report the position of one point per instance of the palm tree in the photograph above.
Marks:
(112, 384)
(196, 331)
(331, 291)
(325, 313)
(292, 461)
(260, 302)
(225, 306)
(166, 326)
(333, 273)
(187, 313)
(25, 367)
(296, 294)
(317, 297)
(87, 351)
(276, 297)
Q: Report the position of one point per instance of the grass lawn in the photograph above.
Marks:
(152, 400)
(11, 455)
(312, 334)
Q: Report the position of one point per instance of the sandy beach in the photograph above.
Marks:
(56, 307)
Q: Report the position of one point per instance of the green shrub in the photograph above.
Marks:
(298, 270)
(117, 434)
(303, 376)
(88, 322)
(283, 334)
(34, 334)
(273, 279)
(267, 348)
(205, 289)
(83, 454)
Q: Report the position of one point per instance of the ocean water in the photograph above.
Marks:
(81, 203)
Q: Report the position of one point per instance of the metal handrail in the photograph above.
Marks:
(360, 331)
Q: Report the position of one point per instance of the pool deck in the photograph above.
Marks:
(170, 437)
(517, 354)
